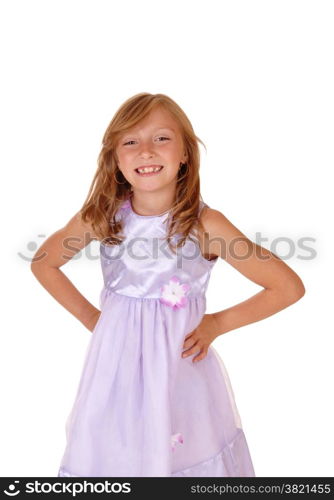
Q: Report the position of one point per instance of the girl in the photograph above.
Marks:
(154, 398)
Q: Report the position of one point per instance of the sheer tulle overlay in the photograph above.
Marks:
(140, 408)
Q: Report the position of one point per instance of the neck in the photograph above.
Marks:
(151, 203)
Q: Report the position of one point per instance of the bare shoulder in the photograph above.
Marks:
(220, 234)
(210, 219)
(257, 263)
(64, 243)
(222, 237)
(214, 221)
(209, 215)
(77, 224)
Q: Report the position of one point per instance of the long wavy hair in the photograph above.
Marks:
(109, 188)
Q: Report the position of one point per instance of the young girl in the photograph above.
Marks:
(154, 398)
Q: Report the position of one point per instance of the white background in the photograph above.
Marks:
(256, 80)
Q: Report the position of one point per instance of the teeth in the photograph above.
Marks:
(148, 169)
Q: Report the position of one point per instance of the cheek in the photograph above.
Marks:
(171, 172)
(125, 157)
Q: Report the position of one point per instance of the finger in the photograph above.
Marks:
(200, 356)
(189, 335)
(191, 351)
(189, 343)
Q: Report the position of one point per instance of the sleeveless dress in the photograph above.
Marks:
(140, 408)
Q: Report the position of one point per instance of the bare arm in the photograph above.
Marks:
(282, 286)
(58, 249)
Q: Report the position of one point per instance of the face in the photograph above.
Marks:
(157, 141)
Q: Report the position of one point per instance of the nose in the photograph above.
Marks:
(145, 154)
(146, 149)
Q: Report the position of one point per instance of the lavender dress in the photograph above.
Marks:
(141, 409)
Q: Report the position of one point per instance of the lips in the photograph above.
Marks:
(146, 174)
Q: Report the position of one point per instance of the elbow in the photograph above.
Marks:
(290, 292)
(38, 261)
(296, 290)
(36, 266)
(33, 269)
(302, 290)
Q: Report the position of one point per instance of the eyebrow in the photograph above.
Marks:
(158, 128)
(167, 128)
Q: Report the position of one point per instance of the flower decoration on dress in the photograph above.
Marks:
(176, 438)
(173, 293)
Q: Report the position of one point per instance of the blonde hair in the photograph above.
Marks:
(105, 195)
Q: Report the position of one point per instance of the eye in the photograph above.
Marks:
(161, 137)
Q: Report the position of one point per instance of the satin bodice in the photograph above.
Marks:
(143, 261)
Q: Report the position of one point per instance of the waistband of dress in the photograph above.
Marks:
(113, 291)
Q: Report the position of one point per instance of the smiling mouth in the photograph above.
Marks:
(146, 172)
